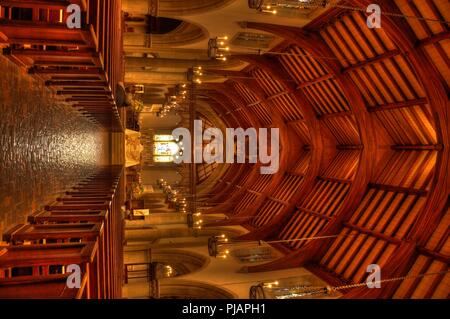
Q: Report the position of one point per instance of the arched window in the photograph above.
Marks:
(161, 25)
(165, 149)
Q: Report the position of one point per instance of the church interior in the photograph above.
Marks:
(99, 199)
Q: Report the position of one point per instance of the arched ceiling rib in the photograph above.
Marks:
(382, 185)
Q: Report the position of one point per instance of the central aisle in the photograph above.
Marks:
(44, 146)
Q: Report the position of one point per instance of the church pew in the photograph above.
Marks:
(97, 185)
(46, 34)
(49, 217)
(73, 223)
(94, 183)
(35, 264)
(100, 178)
(86, 190)
(62, 233)
(99, 182)
(90, 216)
(111, 175)
(83, 200)
(66, 233)
(77, 63)
(86, 198)
(87, 193)
(57, 57)
(44, 287)
(79, 205)
(74, 220)
(42, 4)
(88, 201)
(70, 203)
(91, 191)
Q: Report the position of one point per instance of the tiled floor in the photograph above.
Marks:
(44, 147)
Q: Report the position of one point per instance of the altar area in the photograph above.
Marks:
(133, 148)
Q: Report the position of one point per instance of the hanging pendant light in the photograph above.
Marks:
(309, 286)
(176, 198)
(216, 246)
(218, 48)
(278, 290)
(221, 245)
(174, 102)
(194, 220)
(195, 74)
(262, 6)
(272, 6)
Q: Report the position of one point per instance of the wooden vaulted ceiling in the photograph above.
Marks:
(364, 123)
(205, 170)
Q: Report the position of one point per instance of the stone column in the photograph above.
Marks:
(139, 7)
(158, 219)
(151, 77)
(150, 235)
(138, 62)
(140, 290)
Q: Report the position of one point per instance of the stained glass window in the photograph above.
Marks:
(164, 149)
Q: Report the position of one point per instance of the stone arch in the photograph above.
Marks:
(172, 8)
(184, 34)
(183, 262)
(184, 289)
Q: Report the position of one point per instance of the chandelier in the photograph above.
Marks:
(174, 197)
(277, 290)
(218, 49)
(219, 246)
(271, 6)
(216, 245)
(181, 91)
(195, 74)
(309, 286)
(174, 102)
(195, 221)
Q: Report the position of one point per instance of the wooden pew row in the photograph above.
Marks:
(96, 185)
(82, 65)
(99, 184)
(87, 218)
(38, 271)
(57, 233)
